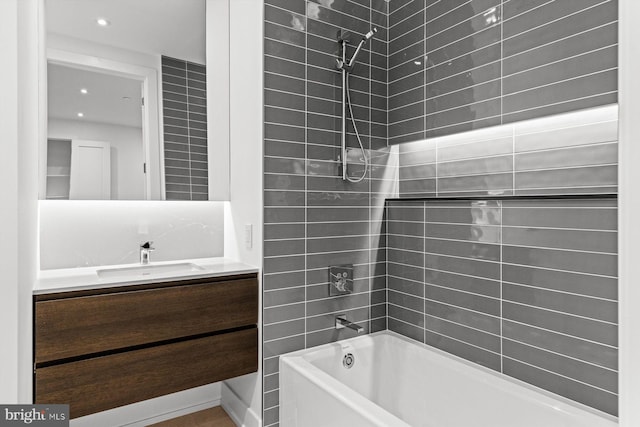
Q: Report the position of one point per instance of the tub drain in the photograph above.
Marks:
(348, 360)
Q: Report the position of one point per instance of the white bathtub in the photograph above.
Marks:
(396, 382)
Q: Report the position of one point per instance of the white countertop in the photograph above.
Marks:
(76, 279)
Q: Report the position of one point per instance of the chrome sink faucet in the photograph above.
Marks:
(342, 322)
(145, 252)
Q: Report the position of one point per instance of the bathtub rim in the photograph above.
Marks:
(297, 359)
(376, 415)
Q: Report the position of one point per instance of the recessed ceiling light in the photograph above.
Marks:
(80, 114)
(103, 22)
(84, 91)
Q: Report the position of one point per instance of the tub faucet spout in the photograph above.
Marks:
(342, 322)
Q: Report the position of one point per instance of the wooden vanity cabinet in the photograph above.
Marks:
(103, 348)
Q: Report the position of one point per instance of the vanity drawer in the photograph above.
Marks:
(106, 382)
(83, 325)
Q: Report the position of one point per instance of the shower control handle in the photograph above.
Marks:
(340, 280)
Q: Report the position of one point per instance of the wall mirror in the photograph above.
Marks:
(127, 101)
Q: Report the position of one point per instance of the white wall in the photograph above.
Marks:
(245, 109)
(30, 132)
(629, 202)
(18, 172)
(127, 175)
(9, 210)
(218, 45)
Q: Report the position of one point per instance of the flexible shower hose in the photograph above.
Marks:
(355, 128)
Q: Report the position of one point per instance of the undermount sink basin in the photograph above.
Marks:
(149, 270)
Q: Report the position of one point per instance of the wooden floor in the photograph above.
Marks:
(213, 417)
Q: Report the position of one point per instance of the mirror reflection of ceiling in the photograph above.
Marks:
(108, 99)
(174, 28)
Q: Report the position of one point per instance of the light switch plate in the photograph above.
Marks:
(248, 236)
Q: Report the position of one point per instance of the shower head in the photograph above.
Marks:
(349, 65)
(345, 36)
(370, 34)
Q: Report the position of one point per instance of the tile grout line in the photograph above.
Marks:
(264, 208)
(306, 174)
(386, 259)
(424, 271)
(385, 206)
(189, 131)
(497, 333)
(426, 111)
(522, 362)
(513, 160)
(501, 291)
(370, 216)
(502, 62)
(565, 16)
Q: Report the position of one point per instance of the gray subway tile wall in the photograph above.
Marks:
(184, 100)
(459, 66)
(525, 287)
(313, 219)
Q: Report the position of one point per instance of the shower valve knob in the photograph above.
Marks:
(340, 280)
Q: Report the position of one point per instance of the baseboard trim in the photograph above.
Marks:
(175, 414)
(153, 411)
(238, 411)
